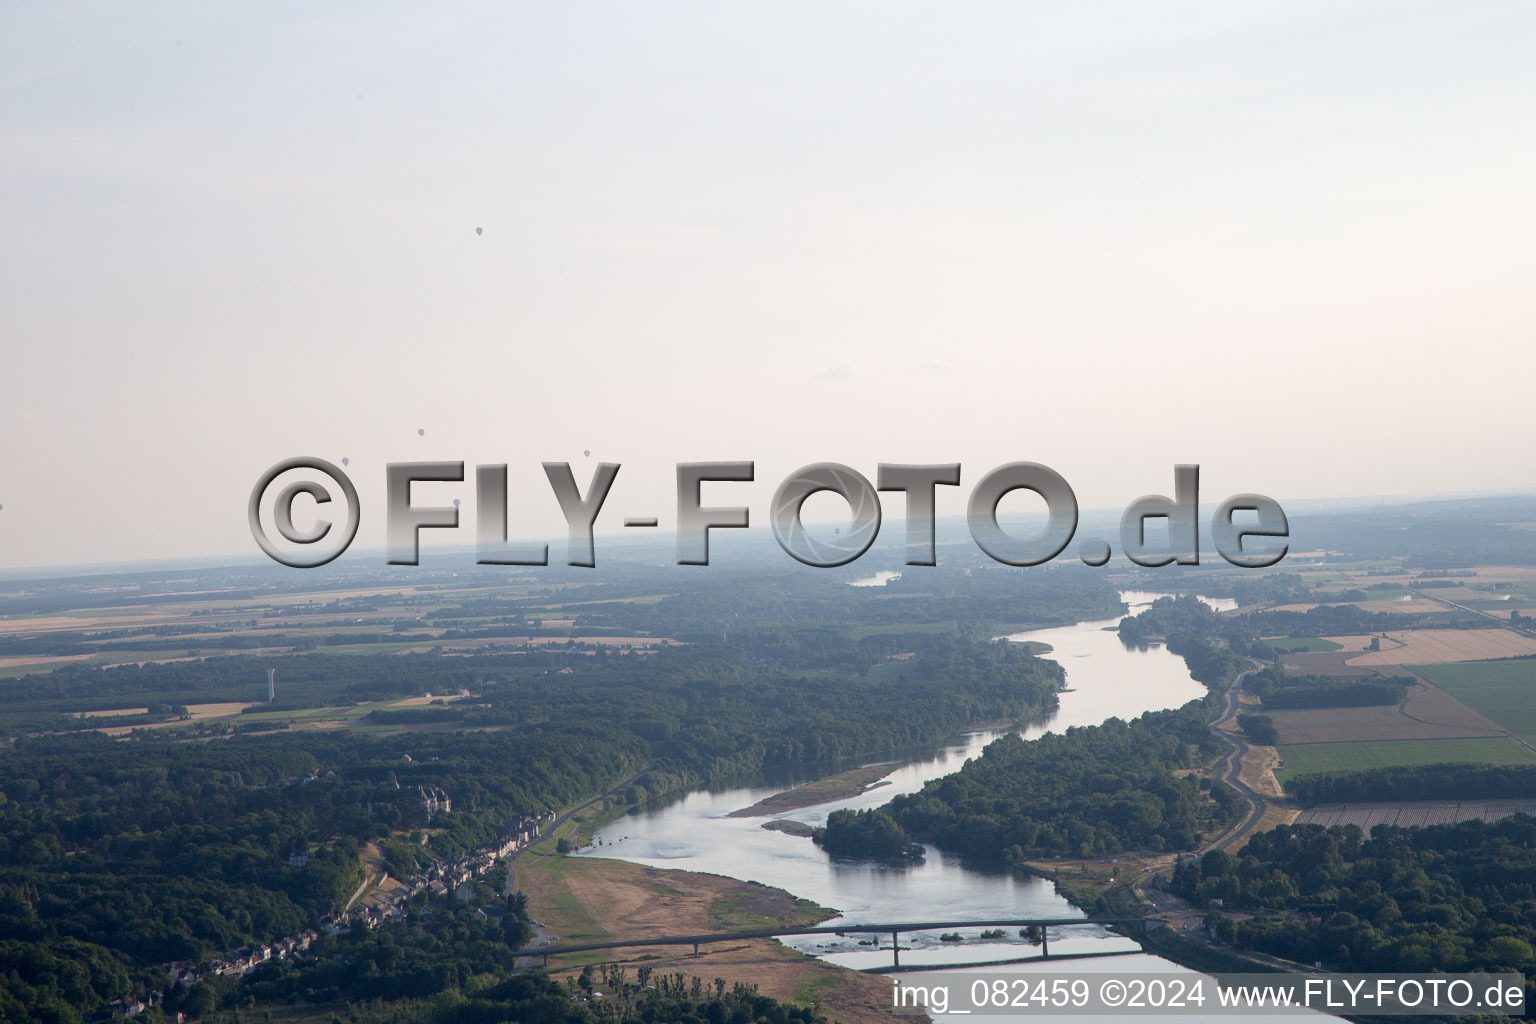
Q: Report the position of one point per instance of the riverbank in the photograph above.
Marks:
(590, 899)
(834, 787)
(705, 831)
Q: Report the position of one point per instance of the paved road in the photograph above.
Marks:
(1175, 910)
(542, 936)
(561, 820)
(1165, 903)
(1447, 603)
(1233, 766)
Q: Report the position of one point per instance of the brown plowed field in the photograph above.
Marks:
(1428, 713)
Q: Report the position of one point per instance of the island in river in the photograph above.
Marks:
(834, 787)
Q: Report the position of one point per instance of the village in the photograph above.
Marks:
(440, 881)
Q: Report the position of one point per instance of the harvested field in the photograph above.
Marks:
(1432, 646)
(21, 660)
(1458, 595)
(109, 712)
(48, 624)
(1358, 642)
(1506, 572)
(417, 702)
(198, 713)
(1428, 714)
(1325, 663)
(1367, 816)
(1414, 606)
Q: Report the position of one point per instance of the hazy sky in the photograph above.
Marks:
(1291, 242)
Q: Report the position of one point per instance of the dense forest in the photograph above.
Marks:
(612, 995)
(117, 855)
(1259, 728)
(1090, 791)
(870, 835)
(182, 843)
(1278, 689)
(1442, 898)
(1454, 782)
(1211, 645)
(796, 623)
(1087, 792)
(1191, 620)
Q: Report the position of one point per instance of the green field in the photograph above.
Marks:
(1311, 758)
(343, 713)
(1503, 690)
(1290, 644)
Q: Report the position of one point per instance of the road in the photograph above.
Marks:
(1165, 903)
(561, 820)
(1447, 603)
(542, 936)
(1232, 767)
(1171, 908)
(1180, 914)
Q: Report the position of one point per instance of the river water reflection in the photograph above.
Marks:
(1105, 678)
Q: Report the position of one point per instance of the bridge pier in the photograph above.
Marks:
(1032, 928)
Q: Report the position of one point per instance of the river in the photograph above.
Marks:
(1105, 678)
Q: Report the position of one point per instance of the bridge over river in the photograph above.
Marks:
(1138, 925)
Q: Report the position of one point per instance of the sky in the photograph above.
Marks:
(1290, 242)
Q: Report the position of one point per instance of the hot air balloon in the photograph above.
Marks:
(455, 502)
(346, 462)
(587, 453)
(479, 231)
(421, 431)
